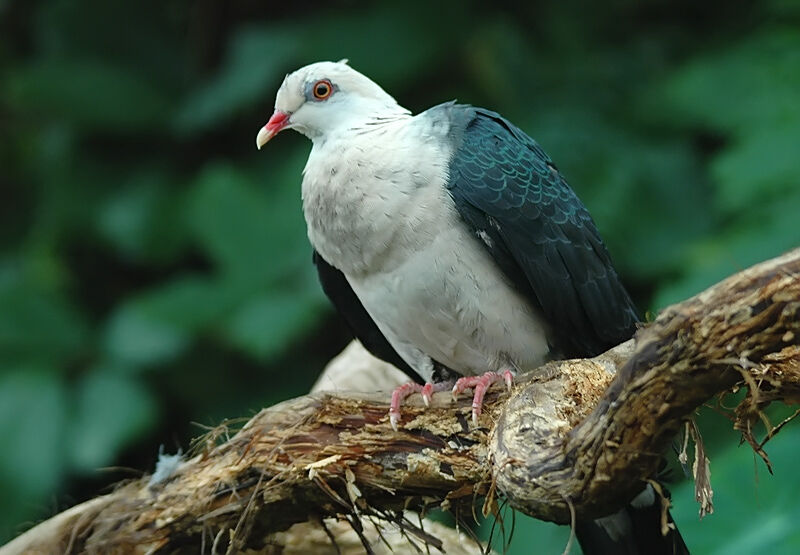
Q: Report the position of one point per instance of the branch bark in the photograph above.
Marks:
(577, 435)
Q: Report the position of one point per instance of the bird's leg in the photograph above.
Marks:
(403, 391)
(480, 385)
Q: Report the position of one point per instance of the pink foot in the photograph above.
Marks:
(481, 384)
(403, 391)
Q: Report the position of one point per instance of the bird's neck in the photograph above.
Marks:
(366, 117)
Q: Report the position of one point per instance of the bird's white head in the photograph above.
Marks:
(325, 97)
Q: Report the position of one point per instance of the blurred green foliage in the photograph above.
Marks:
(154, 269)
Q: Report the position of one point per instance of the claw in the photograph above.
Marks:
(403, 391)
(481, 384)
(508, 377)
(394, 417)
(427, 393)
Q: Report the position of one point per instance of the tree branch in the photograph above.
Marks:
(578, 434)
(744, 329)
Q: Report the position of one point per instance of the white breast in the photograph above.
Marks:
(364, 191)
(451, 301)
(386, 220)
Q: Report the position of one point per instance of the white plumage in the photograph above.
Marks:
(377, 208)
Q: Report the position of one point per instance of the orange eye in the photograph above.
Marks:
(322, 89)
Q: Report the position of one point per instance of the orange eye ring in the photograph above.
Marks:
(322, 89)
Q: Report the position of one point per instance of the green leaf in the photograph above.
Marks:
(254, 238)
(249, 75)
(742, 87)
(140, 219)
(386, 43)
(112, 410)
(87, 93)
(762, 234)
(266, 325)
(36, 323)
(144, 35)
(134, 337)
(33, 410)
(159, 325)
(761, 165)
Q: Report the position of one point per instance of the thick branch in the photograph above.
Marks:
(745, 328)
(564, 437)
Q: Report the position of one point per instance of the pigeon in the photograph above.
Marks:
(455, 250)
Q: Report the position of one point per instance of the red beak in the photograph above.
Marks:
(276, 123)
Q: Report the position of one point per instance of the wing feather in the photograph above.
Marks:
(505, 186)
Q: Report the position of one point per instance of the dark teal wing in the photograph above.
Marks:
(521, 209)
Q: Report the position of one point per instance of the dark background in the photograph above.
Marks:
(154, 269)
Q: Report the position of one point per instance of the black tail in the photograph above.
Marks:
(634, 530)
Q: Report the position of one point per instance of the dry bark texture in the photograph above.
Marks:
(574, 436)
